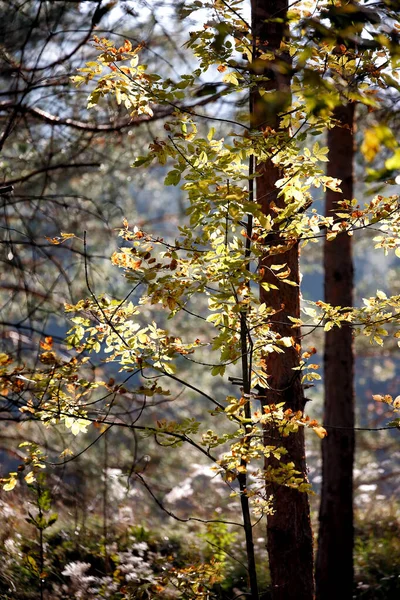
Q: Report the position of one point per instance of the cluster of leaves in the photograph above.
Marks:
(393, 404)
(53, 394)
(34, 460)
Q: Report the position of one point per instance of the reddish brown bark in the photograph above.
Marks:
(334, 571)
(290, 545)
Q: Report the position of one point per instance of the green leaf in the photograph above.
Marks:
(173, 178)
(218, 370)
(52, 519)
(141, 160)
(33, 564)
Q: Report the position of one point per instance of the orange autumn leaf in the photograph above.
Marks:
(47, 344)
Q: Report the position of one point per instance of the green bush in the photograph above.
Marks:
(377, 559)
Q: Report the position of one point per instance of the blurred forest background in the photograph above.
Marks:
(70, 171)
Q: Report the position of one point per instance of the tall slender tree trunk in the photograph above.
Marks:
(334, 572)
(289, 535)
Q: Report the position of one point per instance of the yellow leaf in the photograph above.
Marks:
(230, 78)
(30, 478)
(378, 398)
(76, 425)
(371, 145)
(286, 341)
(66, 452)
(4, 359)
(11, 483)
(393, 162)
(320, 431)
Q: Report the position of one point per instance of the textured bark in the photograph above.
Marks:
(334, 572)
(290, 544)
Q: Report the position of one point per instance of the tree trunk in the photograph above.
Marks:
(289, 535)
(334, 570)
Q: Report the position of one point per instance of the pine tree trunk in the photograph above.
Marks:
(289, 535)
(334, 570)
